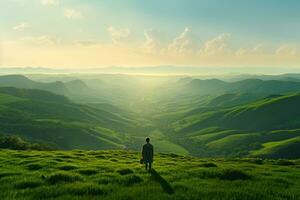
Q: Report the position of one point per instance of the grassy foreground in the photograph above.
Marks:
(118, 175)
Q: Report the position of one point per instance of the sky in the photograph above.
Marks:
(101, 33)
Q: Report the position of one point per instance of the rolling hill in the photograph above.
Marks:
(72, 88)
(20, 81)
(235, 99)
(189, 94)
(48, 118)
(269, 127)
(288, 148)
(215, 86)
(76, 86)
(188, 116)
(272, 113)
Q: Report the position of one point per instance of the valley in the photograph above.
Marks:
(149, 100)
(182, 115)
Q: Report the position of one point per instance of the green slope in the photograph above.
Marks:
(215, 86)
(241, 130)
(7, 99)
(40, 95)
(286, 148)
(201, 117)
(267, 114)
(117, 175)
(48, 118)
(235, 99)
(20, 81)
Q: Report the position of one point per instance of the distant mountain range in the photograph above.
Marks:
(191, 85)
(57, 87)
(174, 70)
(20, 81)
(212, 86)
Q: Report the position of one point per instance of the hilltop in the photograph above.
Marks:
(118, 175)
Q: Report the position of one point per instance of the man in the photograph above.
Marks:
(147, 154)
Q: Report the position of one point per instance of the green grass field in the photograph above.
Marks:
(117, 175)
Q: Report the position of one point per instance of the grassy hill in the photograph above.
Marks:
(288, 148)
(20, 81)
(184, 116)
(242, 130)
(73, 88)
(118, 175)
(39, 95)
(213, 86)
(189, 94)
(276, 112)
(44, 117)
(235, 99)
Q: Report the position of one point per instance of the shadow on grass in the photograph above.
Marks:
(164, 184)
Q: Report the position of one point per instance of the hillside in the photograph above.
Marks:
(39, 95)
(235, 99)
(73, 88)
(76, 85)
(276, 112)
(185, 116)
(288, 148)
(190, 93)
(118, 175)
(47, 118)
(268, 127)
(20, 81)
(213, 86)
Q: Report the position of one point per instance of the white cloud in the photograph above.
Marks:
(41, 40)
(86, 42)
(180, 44)
(151, 44)
(287, 50)
(256, 50)
(49, 2)
(117, 35)
(220, 50)
(218, 45)
(73, 14)
(21, 26)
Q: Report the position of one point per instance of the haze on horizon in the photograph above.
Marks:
(92, 33)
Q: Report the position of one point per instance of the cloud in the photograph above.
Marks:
(181, 43)
(19, 54)
(21, 26)
(49, 2)
(73, 14)
(44, 40)
(117, 35)
(151, 44)
(256, 50)
(86, 42)
(287, 51)
(221, 50)
(217, 45)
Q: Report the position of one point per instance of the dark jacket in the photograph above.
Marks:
(147, 153)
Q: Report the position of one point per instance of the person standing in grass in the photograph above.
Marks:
(147, 154)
